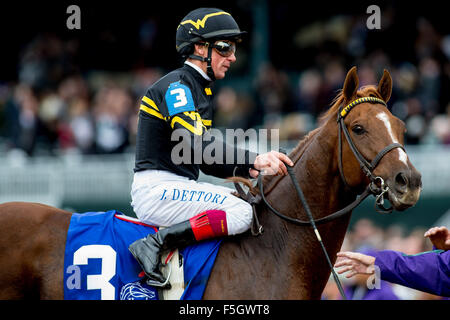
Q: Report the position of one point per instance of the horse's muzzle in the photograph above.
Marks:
(404, 189)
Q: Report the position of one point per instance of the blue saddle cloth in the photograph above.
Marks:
(98, 265)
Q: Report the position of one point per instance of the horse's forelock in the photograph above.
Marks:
(365, 91)
(369, 90)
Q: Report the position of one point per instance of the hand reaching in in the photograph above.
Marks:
(440, 237)
(356, 263)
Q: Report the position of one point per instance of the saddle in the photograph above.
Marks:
(172, 262)
(256, 228)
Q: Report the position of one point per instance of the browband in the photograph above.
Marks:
(350, 106)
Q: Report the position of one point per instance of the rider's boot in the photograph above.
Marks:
(147, 251)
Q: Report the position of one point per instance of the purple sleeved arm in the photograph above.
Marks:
(427, 271)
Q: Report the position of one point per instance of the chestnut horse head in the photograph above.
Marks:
(377, 136)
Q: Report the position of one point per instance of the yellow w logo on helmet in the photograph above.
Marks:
(201, 23)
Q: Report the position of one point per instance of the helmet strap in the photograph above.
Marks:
(196, 57)
(208, 59)
(209, 69)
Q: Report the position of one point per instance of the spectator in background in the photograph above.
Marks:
(427, 271)
(429, 86)
(51, 112)
(21, 118)
(309, 84)
(333, 78)
(78, 123)
(233, 110)
(82, 125)
(365, 234)
(440, 127)
(273, 91)
(111, 112)
(427, 40)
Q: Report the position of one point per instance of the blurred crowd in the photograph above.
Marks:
(419, 63)
(366, 237)
(54, 108)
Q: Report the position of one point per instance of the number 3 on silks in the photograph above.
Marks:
(99, 281)
(179, 98)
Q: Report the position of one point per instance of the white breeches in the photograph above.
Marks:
(162, 198)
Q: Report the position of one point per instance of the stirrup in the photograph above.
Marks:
(165, 285)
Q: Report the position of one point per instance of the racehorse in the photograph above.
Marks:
(284, 262)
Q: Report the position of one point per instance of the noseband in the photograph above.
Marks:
(366, 167)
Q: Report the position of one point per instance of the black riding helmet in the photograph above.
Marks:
(205, 25)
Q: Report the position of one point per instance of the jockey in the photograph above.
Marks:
(165, 191)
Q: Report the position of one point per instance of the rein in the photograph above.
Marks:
(368, 191)
(366, 167)
(310, 222)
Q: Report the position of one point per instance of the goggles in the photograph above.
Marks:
(225, 49)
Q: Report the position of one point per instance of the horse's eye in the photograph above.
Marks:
(358, 129)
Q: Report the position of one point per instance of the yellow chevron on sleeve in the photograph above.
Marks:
(151, 111)
(150, 102)
(195, 116)
(192, 114)
(197, 129)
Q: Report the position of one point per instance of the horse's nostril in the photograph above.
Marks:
(401, 182)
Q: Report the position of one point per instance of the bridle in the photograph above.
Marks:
(366, 166)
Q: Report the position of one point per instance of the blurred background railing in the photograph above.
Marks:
(102, 182)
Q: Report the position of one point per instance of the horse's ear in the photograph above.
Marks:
(351, 84)
(385, 86)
